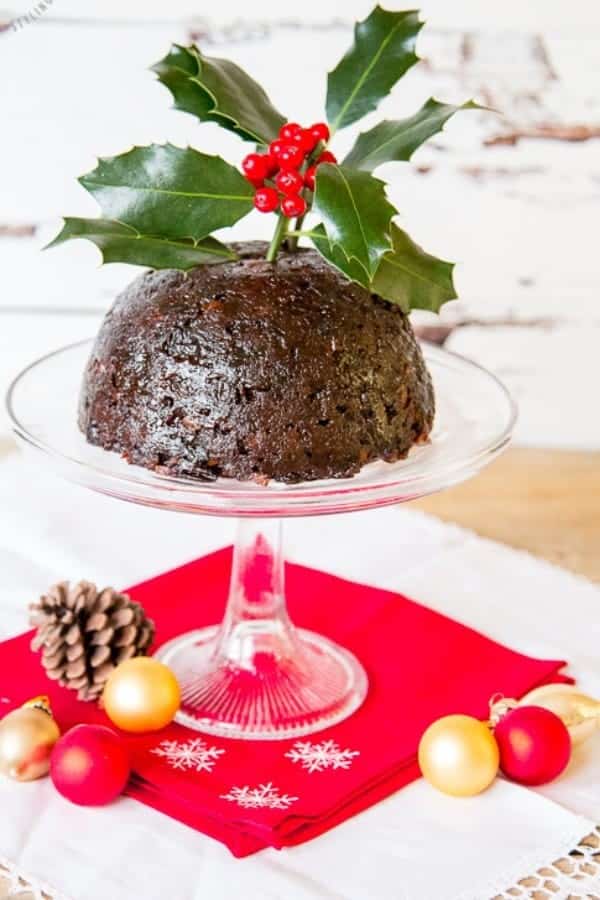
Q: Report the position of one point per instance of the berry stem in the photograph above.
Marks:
(320, 148)
(293, 235)
(299, 234)
(279, 235)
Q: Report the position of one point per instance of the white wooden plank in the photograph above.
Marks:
(550, 372)
(535, 14)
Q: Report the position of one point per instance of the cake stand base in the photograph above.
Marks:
(256, 676)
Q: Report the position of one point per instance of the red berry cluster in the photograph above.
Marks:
(281, 174)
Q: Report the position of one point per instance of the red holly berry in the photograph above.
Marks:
(266, 199)
(288, 131)
(308, 141)
(319, 132)
(309, 177)
(290, 156)
(303, 140)
(275, 148)
(256, 168)
(289, 182)
(326, 157)
(272, 165)
(293, 206)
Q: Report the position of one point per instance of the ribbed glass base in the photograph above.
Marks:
(269, 696)
(256, 676)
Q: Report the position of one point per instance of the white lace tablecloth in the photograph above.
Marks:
(416, 845)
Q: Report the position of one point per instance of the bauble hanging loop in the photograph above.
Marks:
(499, 706)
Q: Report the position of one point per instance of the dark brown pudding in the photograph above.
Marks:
(256, 370)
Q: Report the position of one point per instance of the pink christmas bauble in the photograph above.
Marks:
(90, 765)
(534, 744)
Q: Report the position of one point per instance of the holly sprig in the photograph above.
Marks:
(161, 204)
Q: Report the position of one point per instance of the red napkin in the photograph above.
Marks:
(252, 794)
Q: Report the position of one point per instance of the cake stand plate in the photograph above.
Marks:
(256, 676)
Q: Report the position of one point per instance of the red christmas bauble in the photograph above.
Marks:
(534, 744)
(90, 765)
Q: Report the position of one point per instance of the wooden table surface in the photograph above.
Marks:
(546, 502)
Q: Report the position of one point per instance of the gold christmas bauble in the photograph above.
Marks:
(142, 694)
(580, 713)
(459, 755)
(27, 736)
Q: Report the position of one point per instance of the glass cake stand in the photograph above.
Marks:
(256, 675)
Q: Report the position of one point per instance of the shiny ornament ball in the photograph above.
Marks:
(458, 755)
(534, 744)
(580, 713)
(90, 765)
(142, 694)
(27, 736)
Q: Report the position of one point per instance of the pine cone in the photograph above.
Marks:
(84, 633)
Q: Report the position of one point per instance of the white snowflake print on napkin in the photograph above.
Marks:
(265, 796)
(325, 755)
(193, 754)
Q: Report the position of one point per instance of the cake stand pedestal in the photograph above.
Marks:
(256, 675)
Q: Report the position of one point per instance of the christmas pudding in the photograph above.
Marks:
(255, 370)
(272, 361)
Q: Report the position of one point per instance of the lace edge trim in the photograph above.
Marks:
(21, 882)
(509, 884)
(574, 872)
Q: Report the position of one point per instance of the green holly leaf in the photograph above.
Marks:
(412, 278)
(216, 90)
(121, 243)
(336, 257)
(398, 139)
(356, 214)
(164, 190)
(383, 50)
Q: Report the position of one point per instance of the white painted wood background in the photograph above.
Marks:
(522, 220)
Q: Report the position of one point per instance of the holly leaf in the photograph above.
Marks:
(164, 190)
(398, 139)
(383, 50)
(216, 90)
(121, 243)
(412, 278)
(336, 257)
(177, 72)
(356, 214)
